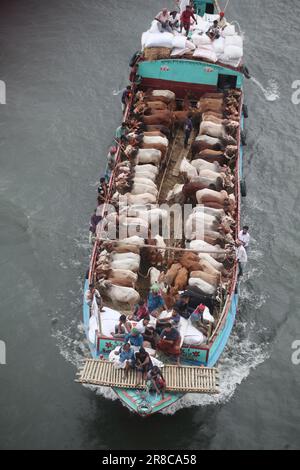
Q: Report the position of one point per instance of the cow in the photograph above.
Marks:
(208, 195)
(203, 286)
(121, 277)
(143, 156)
(205, 142)
(119, 294)
(172, 273)
(213, 279)
(181, 280)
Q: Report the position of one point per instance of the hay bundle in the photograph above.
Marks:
(156, 53)
(188, 55)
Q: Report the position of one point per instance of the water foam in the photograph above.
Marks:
(238, 359)
(271, 93)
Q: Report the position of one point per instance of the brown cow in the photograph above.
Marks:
(189, 259)
(198, 145)
(171, 273)
(189, 190)
(213, 279)
(181, 279)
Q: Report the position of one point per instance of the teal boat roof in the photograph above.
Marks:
(187, 71)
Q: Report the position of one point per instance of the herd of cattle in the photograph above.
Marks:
(207, 183)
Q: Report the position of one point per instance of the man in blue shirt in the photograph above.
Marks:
(126, 95)
(126, 358)
(188, 127)
(134, 338)
(155, 301)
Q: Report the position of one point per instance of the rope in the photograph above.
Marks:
(226, 5)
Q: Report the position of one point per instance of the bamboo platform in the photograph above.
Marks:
(178, 379)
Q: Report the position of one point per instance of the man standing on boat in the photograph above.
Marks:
(241, 256)
(93, 299)
(121, 131)
(245, 237)
(185, 18)
(126, 95)
(188, 127)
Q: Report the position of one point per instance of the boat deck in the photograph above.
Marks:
(178, 378)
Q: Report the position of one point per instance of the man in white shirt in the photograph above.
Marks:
(93, 299)
(163, 19)
(244, 236)
(142, 325)
(222, 23)
(241, 256)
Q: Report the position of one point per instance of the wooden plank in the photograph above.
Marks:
(183, 378)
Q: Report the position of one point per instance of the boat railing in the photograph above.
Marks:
(235, 272)
(110, 187)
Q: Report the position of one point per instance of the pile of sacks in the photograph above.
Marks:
(173, 44)
(227, 48)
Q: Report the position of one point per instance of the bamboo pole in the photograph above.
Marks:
(172, 248)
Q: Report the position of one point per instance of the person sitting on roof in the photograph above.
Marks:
(143, 364)
(155, 301)
(214, 31)
(174, 20)
(169, 342)
(122, 328)
(202, 319)
(222, 23)
(185, 19)
(156, 381)
(126, 358)
(163, 21)
(134, 338)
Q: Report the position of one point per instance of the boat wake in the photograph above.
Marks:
(241, 356)
(271, 93)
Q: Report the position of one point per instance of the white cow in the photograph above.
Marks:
(212, 129)
(166, 93)
(145, 198)
(204, 286)
(144, 180)
(141, 188)
(201, 164)
(146, 168)
(148, 156)
(130, 264)
(125, 256)
(120, 294)
(155, 140)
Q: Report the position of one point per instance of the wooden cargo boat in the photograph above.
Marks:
(190, 81)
